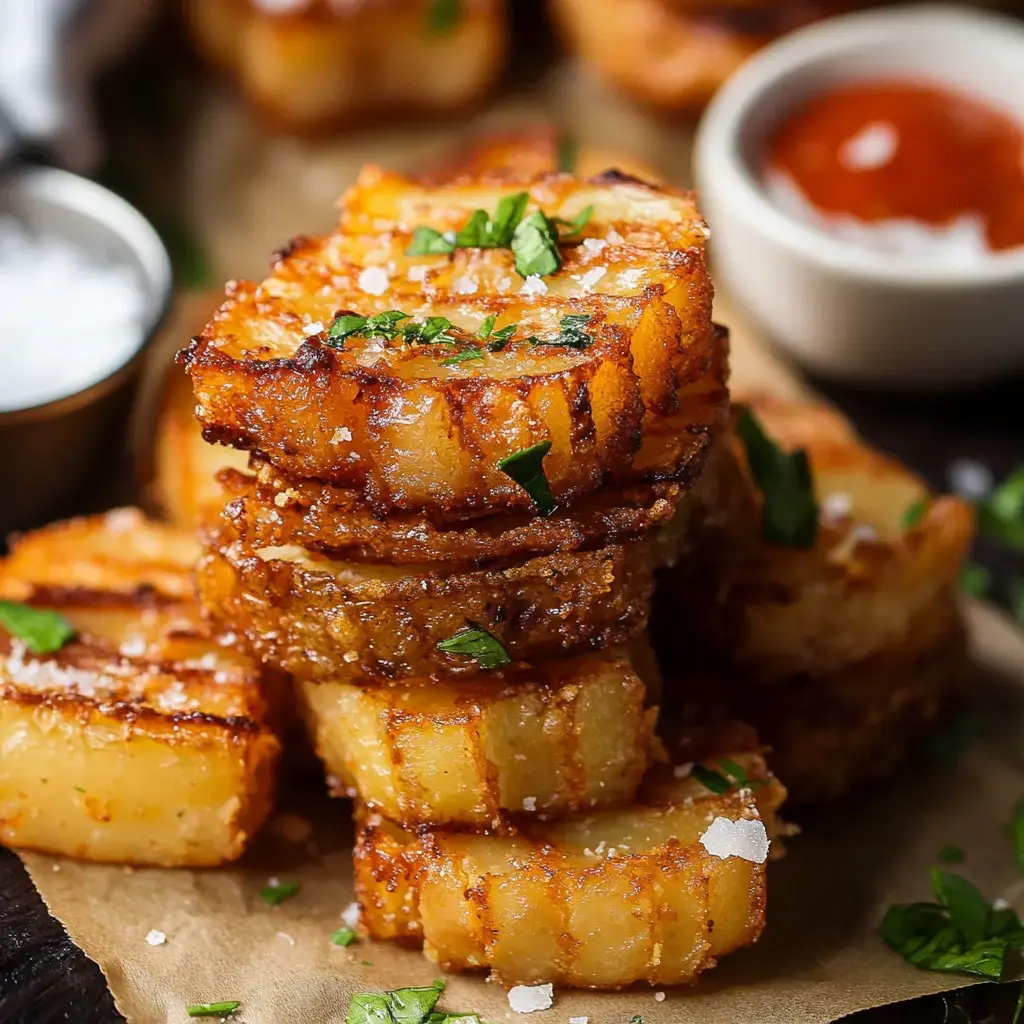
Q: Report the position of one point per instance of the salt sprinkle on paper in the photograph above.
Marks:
(659, 997)
(156, 937)
(350, 915)
(746, 838)
(528, 998)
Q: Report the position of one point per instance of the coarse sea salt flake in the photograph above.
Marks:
(746, 838)
(155, 937)
(464, 286)
(529, 998)
(350, 915)
(529, 803)
(837, 505)
(533, 286)
(659, 997)
(594, 245)
(969, 478)
(682, 771)
(579, 1020)
(591, 277)
(341, 434)
(1000, 904)
(374, 281)
(316, 327)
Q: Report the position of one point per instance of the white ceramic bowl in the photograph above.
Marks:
(845, 311)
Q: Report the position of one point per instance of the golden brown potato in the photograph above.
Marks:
(322, 619)
(390, 419)
(869, 584)
(319, 65)
(184, 485)
(142, 739)
(560, 736)
(601, 901)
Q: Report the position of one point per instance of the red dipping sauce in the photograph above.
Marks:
(884, 151)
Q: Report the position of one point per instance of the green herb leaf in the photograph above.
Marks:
(572, 333)
(473, 640)
(914, 514)
(402, 1006)
(431, 331)
(526, 467)
(1001, 516)
(967, 909)
(578, 223)
(440, 1017)
(710, 779)
(535, 247)
(475, 233)
(275, 894)
(344, 936)
(41, 631)
(443, 16)
(568, 154)
(790, 514)
(430, 242)
(507, 218)
(464, 356)
(486, 327)
(1020, 1007)
(1017, 834)
(636, 1019)
(950, 855)
(500, 338)
(1015, 598)
(225, 1009)
(975, 580)
(383, 325)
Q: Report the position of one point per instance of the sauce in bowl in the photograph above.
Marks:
(903, 167)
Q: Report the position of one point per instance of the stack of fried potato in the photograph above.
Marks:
(468, 473)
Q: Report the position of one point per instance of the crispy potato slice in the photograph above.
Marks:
(319, 65)
(674, 54)
(600, 901)
(319, 618)
(558, 737)
(184, 486)
(142, 740)
(866, 586)
(389, 419)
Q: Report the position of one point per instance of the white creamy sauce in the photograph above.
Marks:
(67, 318)
(961, 242)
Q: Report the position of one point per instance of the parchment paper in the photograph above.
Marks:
(819, 958)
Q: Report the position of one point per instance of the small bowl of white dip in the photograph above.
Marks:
(84, 284)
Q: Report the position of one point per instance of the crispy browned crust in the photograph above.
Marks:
(142, 672)
(517, 902)
(319, 619)
(322, 68)
(412, 434)
(778, 612)
(559, 737)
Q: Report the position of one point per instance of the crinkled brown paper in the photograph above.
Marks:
(819, 957)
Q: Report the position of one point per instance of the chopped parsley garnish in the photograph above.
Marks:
(344, 936)
(443, 16)
(568, 154)
(473, 640)
(224, 1009)
(975, 580)
(431, 242)
(959, 932)
(790, 513)
(914, 514)
(1017, 835)
(500, 338)
(486, 327)
(431, 331)
(526, 467)
(950, 855)
(719, 783)
(572, 333)
(402, 1006)
(464, 356)
(535, 246)
(1001, 515)
(276, 893)
(578, 223)
(41, 631)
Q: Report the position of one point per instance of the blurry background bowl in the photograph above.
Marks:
(47, 452)
(844, 311)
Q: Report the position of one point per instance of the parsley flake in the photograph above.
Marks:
(486, 327)
(344, 936)
(473, 640)
(572, 333)
(578, 223)
(1001, 516)
(430, 242)
(914, 514)
(1017, 835)
(224, 1009)
(443, 16)
(789, 517)
(975, 580)
(501, 337)
(710, 779)
(568, 154)
(431, 331)
(383, 325)
(41, 631)
(276, 893)
(464, 356)
(526, 468)
(719, 783)
(402, 1006)
(535, 247)
(959, 932)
